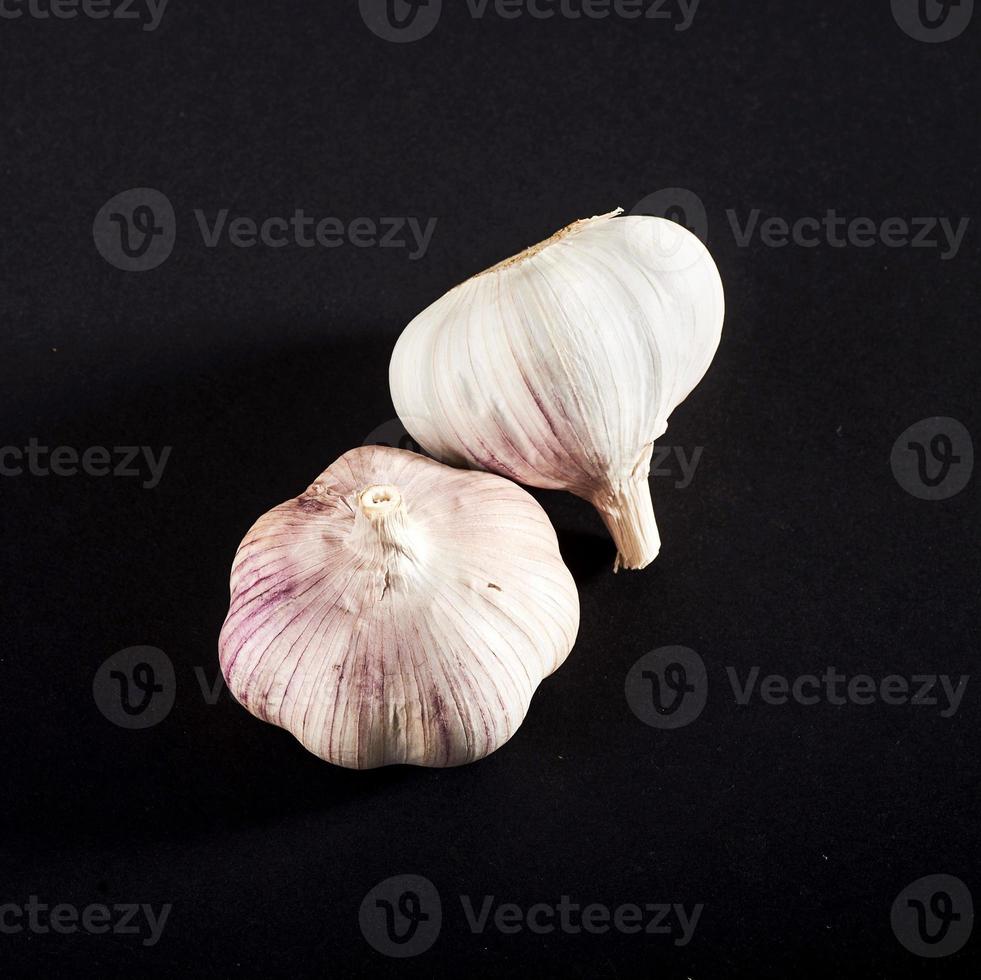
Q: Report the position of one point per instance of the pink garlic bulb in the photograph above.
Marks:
(399, 611)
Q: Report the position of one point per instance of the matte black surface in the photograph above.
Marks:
(793, 549)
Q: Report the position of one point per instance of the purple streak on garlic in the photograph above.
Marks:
(560, 366)
(399, 611)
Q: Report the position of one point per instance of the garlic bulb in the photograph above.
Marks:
(560, 366)
(399, 611)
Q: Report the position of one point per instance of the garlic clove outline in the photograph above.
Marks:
(398, 611)
(560, 366)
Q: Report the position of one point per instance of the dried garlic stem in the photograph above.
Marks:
(628, 513)
(382, 532)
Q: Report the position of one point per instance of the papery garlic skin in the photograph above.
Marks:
(560, 366)
(399, 611)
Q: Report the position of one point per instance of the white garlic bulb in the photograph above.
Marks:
(399, 611)
(560, 366)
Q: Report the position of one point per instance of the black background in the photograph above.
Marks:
(793, 549)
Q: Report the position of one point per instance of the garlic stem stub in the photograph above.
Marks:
(560, 366)
(398, 611)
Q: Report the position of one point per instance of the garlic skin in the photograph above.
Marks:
(560, 366)
(399, 611)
